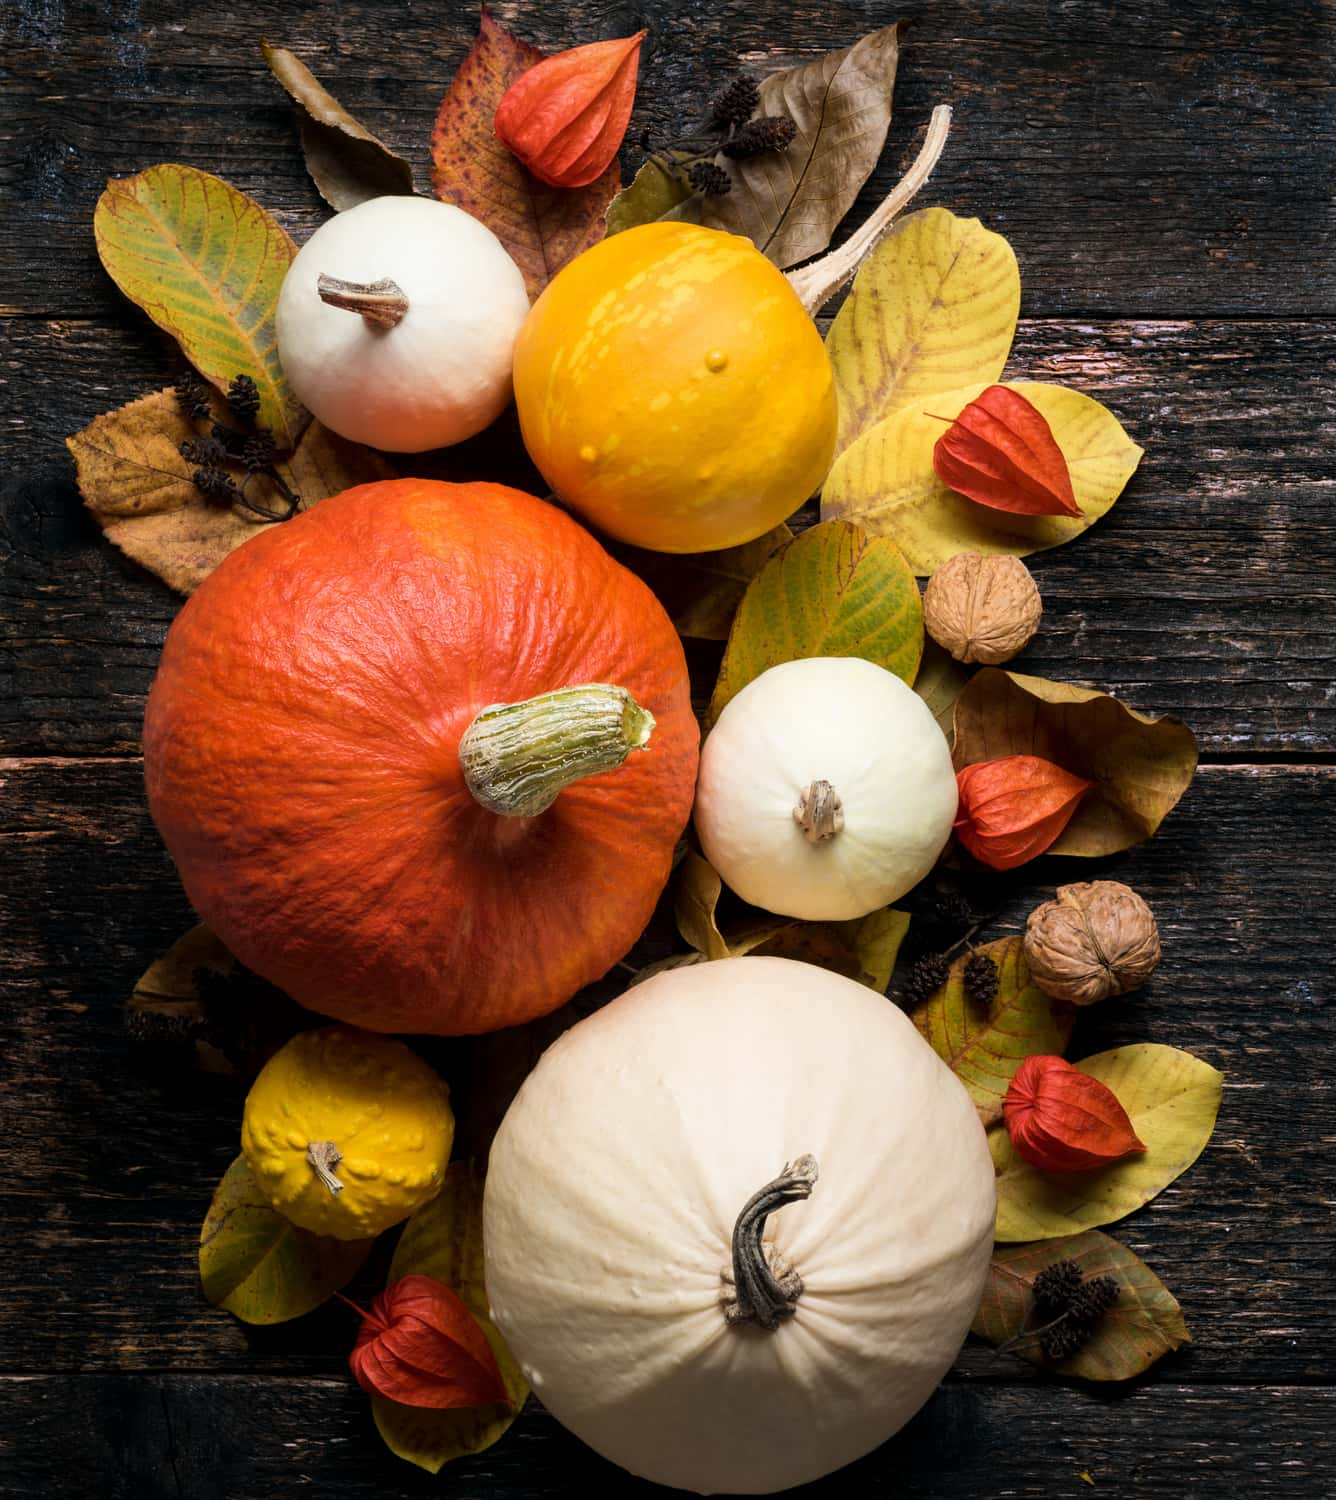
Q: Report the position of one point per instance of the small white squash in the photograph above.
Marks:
(826, 789)
(630, 1264)
(397, 323)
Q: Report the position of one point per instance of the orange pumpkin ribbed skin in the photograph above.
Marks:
(301, 742)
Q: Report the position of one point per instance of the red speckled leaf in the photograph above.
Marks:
(542, 227)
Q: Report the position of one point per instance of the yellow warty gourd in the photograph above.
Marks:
(347, 1132)
(673, 390)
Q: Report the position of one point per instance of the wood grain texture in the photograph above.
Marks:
(110, 1166)
(1209, 592)
(202, 1437)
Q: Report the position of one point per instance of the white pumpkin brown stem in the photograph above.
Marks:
(753, 1293)
(381, 303)
(518, 757)
(324, 1156)
(819, 813)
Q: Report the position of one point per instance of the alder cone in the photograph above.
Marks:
(1097, 938)
(301, 755)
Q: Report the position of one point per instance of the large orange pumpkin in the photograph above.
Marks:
(303, 755)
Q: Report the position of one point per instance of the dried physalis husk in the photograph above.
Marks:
(1097, 938)
(982, 609)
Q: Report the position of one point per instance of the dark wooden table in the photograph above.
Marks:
(1164, 174)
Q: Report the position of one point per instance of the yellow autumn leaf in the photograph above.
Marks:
(139, 489)
(885, 482)
(933, 308)
(205, 262)
(443, 1239)
(1172, 1100)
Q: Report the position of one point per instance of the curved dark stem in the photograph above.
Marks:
(277, 480)
(1026, 1334)
(760, 1296)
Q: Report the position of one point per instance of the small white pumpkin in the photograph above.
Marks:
(663, 1302)
(826, 789)
(397, 322)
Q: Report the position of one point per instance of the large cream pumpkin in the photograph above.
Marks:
(653, 1139)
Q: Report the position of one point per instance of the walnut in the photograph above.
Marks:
(1096, 939)
(983, 609)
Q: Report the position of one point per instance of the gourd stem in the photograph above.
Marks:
(757, 1295)
(324, 1156)
(381, 303)
(819, 813)
(517, 758)
(818, 282)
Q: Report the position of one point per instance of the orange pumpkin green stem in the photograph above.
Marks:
(382, 303)
(517, 758)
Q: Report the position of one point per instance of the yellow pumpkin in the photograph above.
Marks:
(347, 1132)
(673, 390)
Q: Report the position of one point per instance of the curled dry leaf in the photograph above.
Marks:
(863, 948)
(1171, 1099)
(1140, 766)
(789, 202)
(885, 480)
(940, 681)
(346, 162)
(652, 194)
(443, 1240)
(1000, 452)
(702, 590)
(257, 1265)
(542, 227)
(565, 117)
(933, 308)
(833, 591)
(1095, 939)
(1012, 810)
(1061, 1120)
(1144, 1323)
(196, 1004)
(205, 262)
(139, 489)
(420, 1346)
(985, 1044)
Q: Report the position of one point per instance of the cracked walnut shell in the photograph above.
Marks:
(1098, 938)
(982, 609)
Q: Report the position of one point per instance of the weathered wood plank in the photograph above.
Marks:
(109, 1167)
(1206, 593)
(1147, 159)
(189, 1437)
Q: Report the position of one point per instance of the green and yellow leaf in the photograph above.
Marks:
(1140, 766)
(205, 262)
(933, 308)
(1172, 1100)
(833, 591)
(940, 681)
(1143, 1324)
(443, 1239)
(983, 1045)
(885, 481)
(652, 194)
(257, 1265)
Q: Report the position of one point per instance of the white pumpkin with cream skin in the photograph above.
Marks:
(397, 322)
(737, 1224)
(826, 789)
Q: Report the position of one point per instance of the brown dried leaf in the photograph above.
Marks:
(789, 202)
(347, 163)
(542, 227)
(1140, 766)
(139, 488)
(1144, 1323)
